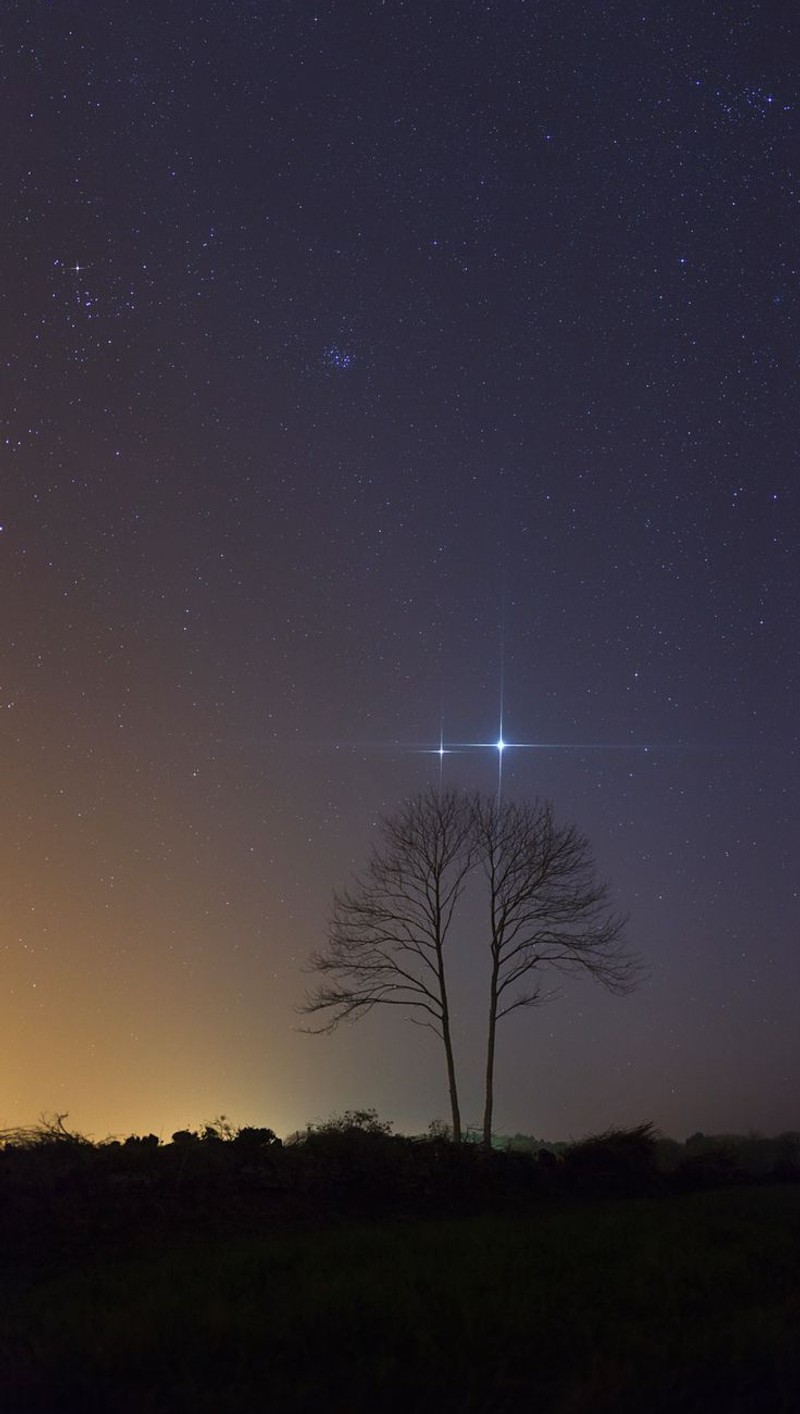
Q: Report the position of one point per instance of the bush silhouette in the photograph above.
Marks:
(618, 1161)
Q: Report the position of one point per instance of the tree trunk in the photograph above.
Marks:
(448, 1050)
(490, 1045)
(451, 1080)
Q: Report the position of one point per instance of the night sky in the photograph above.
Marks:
(370, 367)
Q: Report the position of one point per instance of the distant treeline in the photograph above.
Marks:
(749, 1155)
(59, 1190)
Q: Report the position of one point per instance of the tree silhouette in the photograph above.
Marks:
(547, 911)
(387, 932)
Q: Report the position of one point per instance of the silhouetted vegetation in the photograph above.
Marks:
(622, 1272)
(58, 1188)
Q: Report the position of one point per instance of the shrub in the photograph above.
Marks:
(618, 1161)
(251, 1139)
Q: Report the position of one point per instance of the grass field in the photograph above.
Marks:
(680, 1303)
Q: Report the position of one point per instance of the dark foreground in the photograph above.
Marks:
(677, 1302)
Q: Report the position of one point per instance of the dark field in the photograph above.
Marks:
(677, 1302)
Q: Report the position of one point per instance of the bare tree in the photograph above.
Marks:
(388, 931)
(547, 911)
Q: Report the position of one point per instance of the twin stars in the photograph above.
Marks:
(498, 747)
(441, 750)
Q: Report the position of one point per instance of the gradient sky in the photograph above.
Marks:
(365, 362)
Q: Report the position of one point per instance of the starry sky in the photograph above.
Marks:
(369, 368)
